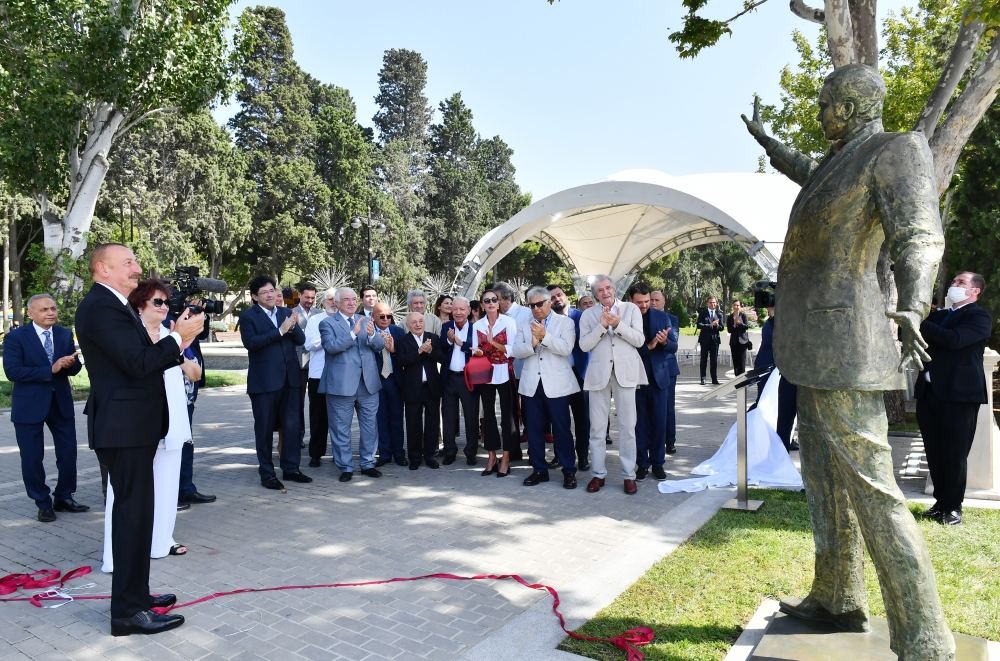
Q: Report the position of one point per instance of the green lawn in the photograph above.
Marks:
(698, 598)
(81, 383)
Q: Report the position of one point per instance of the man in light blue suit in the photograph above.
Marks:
(351, 376)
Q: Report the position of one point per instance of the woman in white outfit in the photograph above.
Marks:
(150, 298)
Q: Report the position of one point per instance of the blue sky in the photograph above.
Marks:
(579, 90)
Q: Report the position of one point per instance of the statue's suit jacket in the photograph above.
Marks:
(833, 333)
(349, 360)
(613, 347)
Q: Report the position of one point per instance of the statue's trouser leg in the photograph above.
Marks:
(845, 452)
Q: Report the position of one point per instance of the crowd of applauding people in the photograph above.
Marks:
(540, 372)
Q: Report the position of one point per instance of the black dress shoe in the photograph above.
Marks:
(702, 380)
(432, 463)
(659, 473)
(146, 622)
(414, 465)
(490, 471)
(296, 476)
(471, 461)
(448, 460)
(380, 462)
(162, 600)
(183, 507)
(950, 518)
(569, 481)
(346, 476)
(715, 382)
(314, 463)
(932, 512)
(640, 473)
(372, 472)
(554, 463)
(402, 462)
(272, 483)
(535, 478)
(69, 505)
(671, 448)
(583, 465)
(197, 498)
(46, 515)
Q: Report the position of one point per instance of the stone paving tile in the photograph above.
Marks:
(408, 523)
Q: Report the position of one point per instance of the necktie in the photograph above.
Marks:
(386, 359)
(48, 346)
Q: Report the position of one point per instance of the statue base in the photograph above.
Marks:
(789, 638)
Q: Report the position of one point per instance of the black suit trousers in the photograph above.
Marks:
(423, 424)
(710, 350)
(31, 443)
(739, 353)
(319, 424)
(269, 409)
(579, 405)
(455, 392)
(948, 429)
(131, 473)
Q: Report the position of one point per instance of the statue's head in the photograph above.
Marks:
(851, 97)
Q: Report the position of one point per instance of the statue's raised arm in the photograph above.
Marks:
(793, 164)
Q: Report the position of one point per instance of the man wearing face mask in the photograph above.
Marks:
(950, 390)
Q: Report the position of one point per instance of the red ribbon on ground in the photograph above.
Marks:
(628, 641)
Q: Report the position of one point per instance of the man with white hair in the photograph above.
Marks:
(456, 342)
(318, 419)
(419, 355)
(416, 301)
(350, 377)
(612, 332)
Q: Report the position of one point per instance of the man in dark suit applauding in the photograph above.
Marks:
(126, 418)
(653, 399)
(709, 325)
(456, 349)
(271, 334)
(419, 355)
(950, 389)
(39, 359)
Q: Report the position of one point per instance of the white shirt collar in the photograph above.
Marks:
(117, 293)
(40, 330)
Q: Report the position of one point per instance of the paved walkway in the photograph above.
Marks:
(589, 547)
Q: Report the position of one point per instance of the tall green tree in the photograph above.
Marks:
(77, 75)
(403, 111)
(276, 128)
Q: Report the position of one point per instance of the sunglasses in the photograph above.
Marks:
(385, 316)
(538, 305)
(159, 302)
(488, 301)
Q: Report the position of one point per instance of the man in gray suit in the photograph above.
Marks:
(350, 376)
(612, 332)
(545, 344)
(833, 340)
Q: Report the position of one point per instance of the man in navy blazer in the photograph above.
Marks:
(390, 398)
(270, 334)
(579, 402)
(419, 356)
(950, 389)
(456, 347)
(710, 321)
(39, 359)
(653, 399)
(351, 379)
(659, 302)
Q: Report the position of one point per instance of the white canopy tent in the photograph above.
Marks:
(619, 225)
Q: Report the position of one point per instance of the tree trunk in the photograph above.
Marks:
(954, 68)
(67, 240)
(16, 302)
(840, 33)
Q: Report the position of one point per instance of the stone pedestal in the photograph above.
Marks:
(983, 480)
(788, 638)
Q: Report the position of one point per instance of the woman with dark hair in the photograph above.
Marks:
(150, 299)
(475, 311)
(442, 308)
(739, 342)
(493, 337)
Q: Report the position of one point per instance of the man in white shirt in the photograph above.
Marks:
(544, 345)
(612, 332)
(457, 346)
(316, 359)
(522, 317)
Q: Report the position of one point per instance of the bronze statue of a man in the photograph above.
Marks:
(835, 342)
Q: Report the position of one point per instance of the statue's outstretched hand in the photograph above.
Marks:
(755, 126)
(914, 350)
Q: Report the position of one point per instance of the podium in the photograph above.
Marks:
(739, 385)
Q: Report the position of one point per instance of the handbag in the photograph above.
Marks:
(478, 370)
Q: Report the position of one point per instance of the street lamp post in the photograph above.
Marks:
(369, 222)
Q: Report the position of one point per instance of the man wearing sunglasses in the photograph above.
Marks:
(390, 397)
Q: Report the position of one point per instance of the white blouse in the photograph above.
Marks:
(501, 373)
